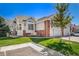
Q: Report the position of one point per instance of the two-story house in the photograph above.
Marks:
(27, 26)
(22, 26)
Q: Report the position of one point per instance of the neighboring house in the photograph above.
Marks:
(77, 28)
(12, 26)
(74, 27)
(27, 26)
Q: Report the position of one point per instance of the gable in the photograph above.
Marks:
(31, 19)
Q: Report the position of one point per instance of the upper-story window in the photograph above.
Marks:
(24, 22)
(20, 27)
(30, 27)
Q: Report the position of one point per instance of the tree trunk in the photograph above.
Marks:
(62, 31)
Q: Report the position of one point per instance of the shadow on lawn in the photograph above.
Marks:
(64, 48)
(37, 40)
(8, 38)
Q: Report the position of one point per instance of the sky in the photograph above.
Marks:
(38, 10)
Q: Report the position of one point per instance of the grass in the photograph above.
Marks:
(12, 41)
(65, 47)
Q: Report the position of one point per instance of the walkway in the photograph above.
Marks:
(27, 49)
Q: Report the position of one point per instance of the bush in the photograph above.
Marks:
(2, 34)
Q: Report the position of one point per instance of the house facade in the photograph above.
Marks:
(25, 26)
(28, 26)
(45, 28)
(22, 26)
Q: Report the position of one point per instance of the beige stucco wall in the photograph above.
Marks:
(40, 26)
(20, 21)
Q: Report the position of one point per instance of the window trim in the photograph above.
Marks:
(30, 26)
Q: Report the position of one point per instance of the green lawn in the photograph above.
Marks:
(13, 41)
(66, 47)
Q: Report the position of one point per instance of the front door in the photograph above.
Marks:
(24, 33)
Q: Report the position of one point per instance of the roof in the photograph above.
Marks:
(21, 18)
(43, 18)
(9, 22)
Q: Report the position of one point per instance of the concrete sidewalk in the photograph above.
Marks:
(72, 38)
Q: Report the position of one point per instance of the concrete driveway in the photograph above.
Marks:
(28, 49)
(72, 38)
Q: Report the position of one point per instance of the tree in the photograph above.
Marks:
(1, 20)
(62, 18)
(3, 27)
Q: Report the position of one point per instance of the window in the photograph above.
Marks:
(24, 21)
(20, 26)
(30, 26)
